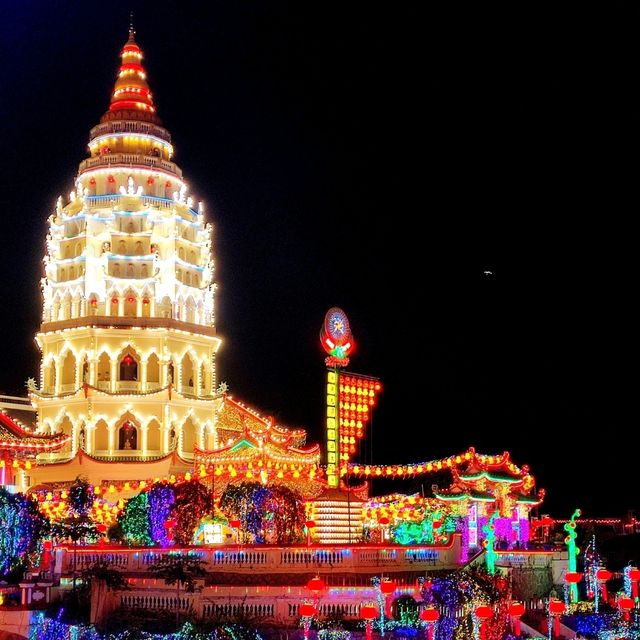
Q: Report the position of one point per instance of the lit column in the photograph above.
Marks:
(58, 376)
(164, 367)
(93, 372)
(196, 380)
(91, 437)
(152, 309)
(145, 437)
(79, 365)
(143, 375)
(112, 437)
(113, 374)
(121, 306)
(139, 307)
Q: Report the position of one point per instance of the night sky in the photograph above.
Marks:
(380, 158)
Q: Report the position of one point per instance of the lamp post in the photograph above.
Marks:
(483, 613)
(602, 575)
(310, 524)
(430, 616)
(625, 605)
(386, 588)
(516, 609)
(307, 611)
(316, 586)
(556, 609)
(368, 613)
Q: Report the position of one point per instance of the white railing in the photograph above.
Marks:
(259, 559)
(116, 159)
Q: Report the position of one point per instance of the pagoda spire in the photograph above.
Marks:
(131, 98)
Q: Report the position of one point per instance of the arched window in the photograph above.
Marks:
(181, 253)
(122, 247)
(138, 248)
(127, 437)
(128, 368)
(130, 270)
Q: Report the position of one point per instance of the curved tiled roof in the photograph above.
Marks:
(14, 437)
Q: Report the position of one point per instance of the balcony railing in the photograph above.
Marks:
(129, 159)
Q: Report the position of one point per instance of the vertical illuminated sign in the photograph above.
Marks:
(332, 428)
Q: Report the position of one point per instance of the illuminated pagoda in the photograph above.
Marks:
(19, 447)
(128, 335)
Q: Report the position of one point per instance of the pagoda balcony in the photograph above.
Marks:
(127, 322)
(130, 160)
(130, 126)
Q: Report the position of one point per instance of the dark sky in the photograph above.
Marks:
(379, 157)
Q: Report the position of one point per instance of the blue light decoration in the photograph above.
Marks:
(21, 526)
(161, 498)
(43, 628)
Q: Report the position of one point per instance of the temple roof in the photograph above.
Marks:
(16, 439)
(131, 98)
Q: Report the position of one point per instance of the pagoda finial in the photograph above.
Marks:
(132, 31)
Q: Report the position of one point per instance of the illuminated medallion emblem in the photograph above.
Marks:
(336, 338)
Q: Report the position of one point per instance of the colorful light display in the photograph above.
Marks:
(570, 541)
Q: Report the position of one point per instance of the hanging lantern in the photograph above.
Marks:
(634, 576)
(310, 524)
(234, 524)
(625, 605)
(387, 587)
(602, 575)
(368, 612)
(307, 610)
(516, 610)
(383, 520)
(429, 615)
(316, 585)
(556, 609)
(483, 613)
(572, 577)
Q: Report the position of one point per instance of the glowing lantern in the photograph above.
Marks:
(572, 577)
(383, 520)
(310, 524)
(429, 615)
(234, 524)
(101, 528)
(516, 609)
(307, 609)
(625, 605)
(483, 613)
(556, 609)
(602, 575)
(316, 585)
(387, 587)
(368, 613)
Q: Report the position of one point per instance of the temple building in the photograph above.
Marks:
(128, 336)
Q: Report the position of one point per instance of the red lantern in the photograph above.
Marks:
(483, 613)
(310, 524)
(316, 585)
(429, 615)
(368, 612)
(547, 521)
(234, 524)
(602, 575)
(573, 577)
(625, 604)
(101, 528)
(387, 587)
(556, 607)
(383, 520)
(307, 610)
(437, 524)
(516, 609)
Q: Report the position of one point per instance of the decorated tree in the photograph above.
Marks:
(192, 502)
(266, 514)
(134, 520)
(161, 498)
(21, 528)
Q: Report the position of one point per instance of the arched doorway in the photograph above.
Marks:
(187, 374)
(128, 368)
(153, 372)
(127, 437)
(68, 375)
